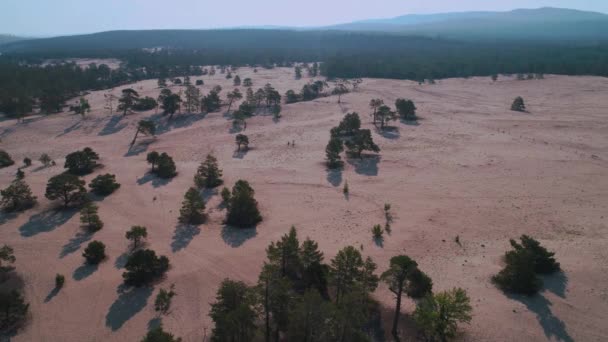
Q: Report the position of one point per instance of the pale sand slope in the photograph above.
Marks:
(472, 168)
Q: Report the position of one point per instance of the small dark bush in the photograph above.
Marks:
(104, 185)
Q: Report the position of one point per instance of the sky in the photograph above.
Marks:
(41, 18)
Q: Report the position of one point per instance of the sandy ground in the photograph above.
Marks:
(471, 168)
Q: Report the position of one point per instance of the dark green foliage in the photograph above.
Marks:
(291, 97)
(27, 162)
(193, 208)
(518, 275)
(145, 127)
(59, 281)
(82, 107)
(146, 103)
(95, 252)
(211, 102)
(232, 96)
(518, 105)
(136, 234)
(247, 82)
(332, 152)
(523, 263)
(237, 81)
(7, 255)
(385, 114)
(225, 194)
(377, 231)
(13, 310)
(242, 139)
(128, 100)
(438, 314)
(243, 208)
(81, 162)
(66, 187)
(162, 303)
(233, 313)
(143, 266)
(159, 335)
(5, 159)
(340, 89)
(19, 175)
(89, 218)
(298, 72)
(543, 260)
(199, 82)
(418, 285)
(208, 175)
(104, 185)
(349, 272)
(361, 141)
(171, 103)
(152, 158)
(45, 160)
(310, 318)
(17, 197)
(193, 99)
(349, 125)
(165, 167)
(406, 109)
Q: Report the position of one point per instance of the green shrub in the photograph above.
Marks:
(95, 252)
(104, 185)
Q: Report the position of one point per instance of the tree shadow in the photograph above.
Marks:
(411, 122)
(556, 283)
(236, 129)
(367, 165)
(46, 221)
(178, 121)
(70, 129)
(154, 323)
(74, 243)
(84, 271)
(379, 241)
(54, 292)
(553, 327)
(6, 216)
(390, 132)
(208, 193)
(235, 237)
(139, 148)
(121, 261)
(334, 176)
(113, 125)
(130, 301)
(183, 235)
(240, 154)
(155, 180)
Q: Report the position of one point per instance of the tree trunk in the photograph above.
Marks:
(397, 312)
(135, 137)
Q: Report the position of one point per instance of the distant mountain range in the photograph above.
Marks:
(522, 25)
(8, 38)
(531, 24)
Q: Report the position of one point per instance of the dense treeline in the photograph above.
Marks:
(25, 83)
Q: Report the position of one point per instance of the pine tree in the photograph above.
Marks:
(17, 197)
(208, 175)
(332, 152)
(193, 208)
(243, 208)
(136, 234)
(518, 105)
(89, 217)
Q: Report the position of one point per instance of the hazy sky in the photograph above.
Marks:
(54, 17)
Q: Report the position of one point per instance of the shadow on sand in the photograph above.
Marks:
(121, 261)
(553, 327)
(84, 271)
(367, 165)
(556, 283)
(139, 148)
(113, 125)
(334, 176)
(74, 244)
(155, 180)
(235, 237)
(389, 132)
(164, 124)
(130, 301)
(241, 154)
(183, 235)
(46, 221)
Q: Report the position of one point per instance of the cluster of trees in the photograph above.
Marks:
(162, 164)
(298, 297)
(265, 99)
(523, 264)
(348, 133)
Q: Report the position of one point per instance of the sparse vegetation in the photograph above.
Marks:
(438, 314)
(89, 217)
(27, 162)
(208, 175)
(59, 281)
(518, 105)
(145, 127)
(95, 252)
(162, 303)
(242, 140)
(67, 188)
(104, 185)
(127, 100)
(136, 234)
(17, 197)
(377, 231)
(45, 160)
(5, 159)
(242, 206)
(143, 266)
(7, 256)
